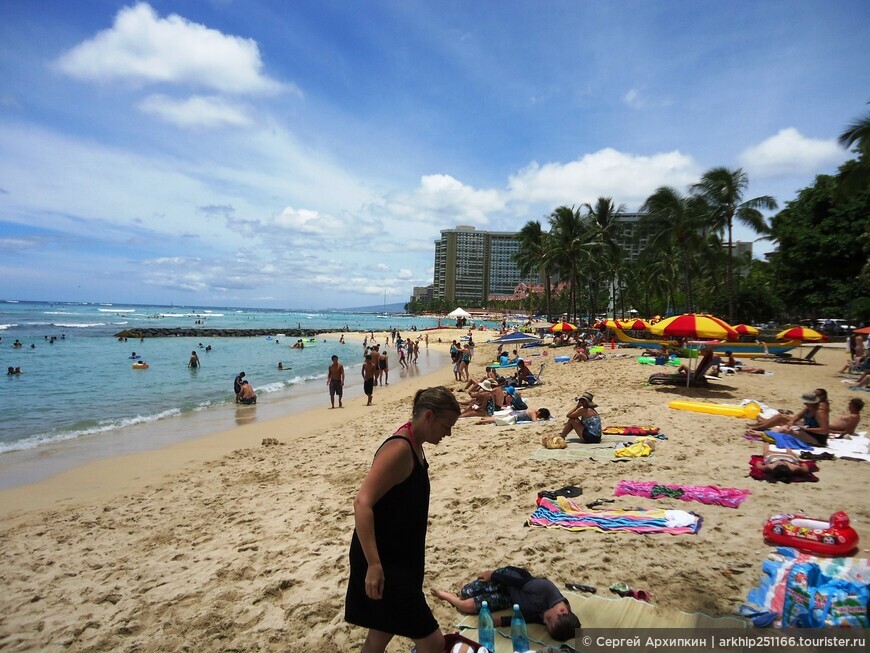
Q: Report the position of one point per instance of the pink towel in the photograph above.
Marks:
(729, 497)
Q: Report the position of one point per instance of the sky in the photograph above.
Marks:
(307, 154)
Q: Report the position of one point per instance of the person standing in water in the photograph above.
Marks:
(193, 363)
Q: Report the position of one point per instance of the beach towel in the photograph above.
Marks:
(601, 612)
(788, 441)
(764, 475)
(729, 497)
(641, 448)
(578, 450)
(567, 515)
(631, 430)
(778, 582)
(850, 447)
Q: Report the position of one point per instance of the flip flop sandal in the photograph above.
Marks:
(620, 588)
(640, 595)
(574, 587)
(599, 502)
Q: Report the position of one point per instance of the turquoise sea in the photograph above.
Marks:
(79, 397)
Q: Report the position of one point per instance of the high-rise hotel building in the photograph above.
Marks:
(471, 266)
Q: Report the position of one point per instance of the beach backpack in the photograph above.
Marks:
(518, 404)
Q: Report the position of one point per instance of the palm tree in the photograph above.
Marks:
(535, 255)
(673, 223)
(569, 247)
(722, 190)
(605, 220)
(856, 178)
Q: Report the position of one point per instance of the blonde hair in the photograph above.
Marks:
(437, 399)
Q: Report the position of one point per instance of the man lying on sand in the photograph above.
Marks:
(539, 599)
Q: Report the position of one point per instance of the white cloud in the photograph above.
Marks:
(628, 179)
(196, 111)
(442, 199)
(791, 153)
(632, 99)
(405, 274)
(143, 48)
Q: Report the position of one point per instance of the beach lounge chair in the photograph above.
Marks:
(808, 359)
(694, 381)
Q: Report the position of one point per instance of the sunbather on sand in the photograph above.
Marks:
(539, 599)
(812, 428)
(787, 418)
(848, 422)
(584, 420)
(527, 415)
(782, 466)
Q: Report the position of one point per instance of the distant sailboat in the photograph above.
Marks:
(384, 313)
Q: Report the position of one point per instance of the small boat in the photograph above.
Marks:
(737, 348)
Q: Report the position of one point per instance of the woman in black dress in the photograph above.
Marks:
(391, 511)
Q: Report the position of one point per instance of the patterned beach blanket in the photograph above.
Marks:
(567, 515)
(763, 475)
(631, 430)
(729, 497)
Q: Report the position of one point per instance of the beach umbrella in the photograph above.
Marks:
(690, 325)
(803, 334)
(863, 331)
(559, 327)
(458, 313)
(515, 338)
(613, 324)
(633, 325)
(746, 330)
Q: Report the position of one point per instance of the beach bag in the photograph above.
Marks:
(490, 407)
(814, 600)
(518, 404)
(507, 420)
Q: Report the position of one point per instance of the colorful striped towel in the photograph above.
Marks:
(730, 497)
(568, 515)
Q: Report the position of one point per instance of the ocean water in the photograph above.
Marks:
(79, 396)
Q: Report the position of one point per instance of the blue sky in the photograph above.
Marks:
(307, 153)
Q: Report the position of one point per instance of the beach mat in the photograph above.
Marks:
(603, 612)
(577, 450)
(566, 515)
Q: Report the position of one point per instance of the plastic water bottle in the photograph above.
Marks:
(519, 636)
(485, 628)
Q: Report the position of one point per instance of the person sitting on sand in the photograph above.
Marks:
(527, 415)
(811, 426)
(584, 420)
(581, 354)
(524, 374)
(849, 422)
(539, 599)
(782, 466)
(246, 394)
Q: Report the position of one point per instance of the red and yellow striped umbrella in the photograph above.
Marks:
(559, 327)
(691, 325)
(613, 324)
(635, 324)
(746, 330)
(803, 334)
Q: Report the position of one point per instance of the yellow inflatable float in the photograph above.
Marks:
(749, 411)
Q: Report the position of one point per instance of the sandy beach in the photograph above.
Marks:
(239, 541)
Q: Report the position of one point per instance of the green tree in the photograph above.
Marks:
(605, 233)
(674, 223)
(857, 177)
(722, 189)
(569, 248)
(822, 252)
(536, 255)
